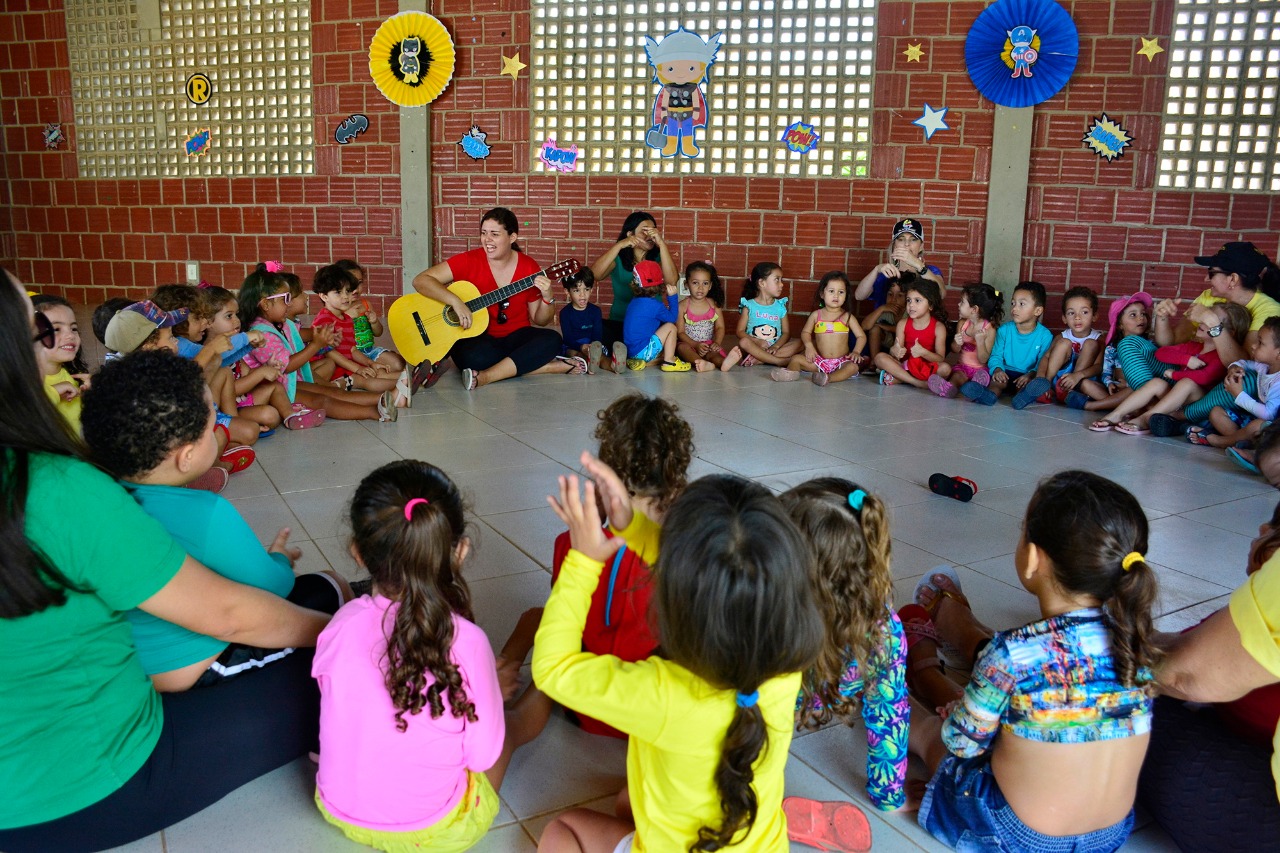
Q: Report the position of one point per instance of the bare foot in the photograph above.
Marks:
(702, 365)
(734, 356)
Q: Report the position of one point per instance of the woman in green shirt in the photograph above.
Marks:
(90, 755)
(638, 240)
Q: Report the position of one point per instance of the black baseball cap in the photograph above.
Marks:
(1244, 259)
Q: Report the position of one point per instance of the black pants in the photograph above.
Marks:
(612, 333)
(1207, 787)
(214, 740)
(530, 348)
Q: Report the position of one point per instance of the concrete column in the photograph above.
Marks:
(415, 182)
(1007, 197)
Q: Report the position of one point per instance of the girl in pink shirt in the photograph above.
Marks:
(413, 741)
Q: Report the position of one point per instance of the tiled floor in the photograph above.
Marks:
(505, 445)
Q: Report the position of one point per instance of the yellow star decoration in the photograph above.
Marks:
(512, 65)
(913, 52)
(1149, 49)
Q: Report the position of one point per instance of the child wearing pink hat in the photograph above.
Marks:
(1127, 316)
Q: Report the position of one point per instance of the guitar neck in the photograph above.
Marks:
(502, 294)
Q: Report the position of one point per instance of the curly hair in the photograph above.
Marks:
(716, 291)
(142, 407)
(648, 444)
(1087, 526)
(852, 586)
(733, 609)
(1081, 292)
(413, 562)
(927, 288)
(174, 296)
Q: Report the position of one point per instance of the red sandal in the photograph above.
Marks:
(960, 488)
(836, 826)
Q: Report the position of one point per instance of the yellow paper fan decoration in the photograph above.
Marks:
(411, 59)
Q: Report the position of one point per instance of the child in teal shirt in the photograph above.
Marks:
(1020, 346)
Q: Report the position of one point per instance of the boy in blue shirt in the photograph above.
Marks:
(1021, 344)
(149, 421)
(581, 322)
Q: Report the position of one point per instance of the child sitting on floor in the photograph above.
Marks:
(344, 364)
(827, 355)
(101, 317)
(1020, 346)
(364, 320)
(1075, 354)
(1043, 749)
(413, 739)
(1246, 401)
(149, 421)
(66, 375)
(764, 332)
(649, 328)
(701, 327)
(711, 721)
(1127, 315)
(919, 348)
(581, 321)
(981, 310)
(863, 661)
(1173, 388)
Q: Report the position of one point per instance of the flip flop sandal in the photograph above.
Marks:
(577, 364)
(305, 419)
(619, 357)
(960, 488)
(1236, 457)
(1128, 428)
(1197, 436)
(469, 379)
(595, 351)
(404, 389)
(917, 626)
(940, 593)
(1102, 425)
(834, 826)
(240, 457)
(387, 411)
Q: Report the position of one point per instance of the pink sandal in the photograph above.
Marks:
(304, 418)
(836, 826)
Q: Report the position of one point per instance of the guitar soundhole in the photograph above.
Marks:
(451, 316)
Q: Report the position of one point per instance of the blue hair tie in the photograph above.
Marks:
(747, 700)
(856, 497)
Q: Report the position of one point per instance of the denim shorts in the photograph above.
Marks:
(964, 809)
(373, 352)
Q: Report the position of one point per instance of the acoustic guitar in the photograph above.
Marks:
(424, 330)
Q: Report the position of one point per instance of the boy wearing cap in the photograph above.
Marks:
(906, 252)
(649, 330)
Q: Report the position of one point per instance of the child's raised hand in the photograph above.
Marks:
(1167, 308)
(898, 352)
(327, 335)
(358, 309)
(583, 519)
(1234, 383)
(918, 350)
(256, 338)
(613, 492)
(280, 545)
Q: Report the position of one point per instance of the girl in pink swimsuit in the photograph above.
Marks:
(700, 328)
(981, 311)
(827, 354)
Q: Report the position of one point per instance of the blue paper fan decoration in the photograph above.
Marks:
(1021, 52)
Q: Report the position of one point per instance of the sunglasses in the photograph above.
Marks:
(284, 296)
(502, 311)
(45, 335)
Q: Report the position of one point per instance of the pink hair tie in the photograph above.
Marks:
(273, 266)
(408, 508)
(204, 284)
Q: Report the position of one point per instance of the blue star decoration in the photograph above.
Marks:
(932, 121)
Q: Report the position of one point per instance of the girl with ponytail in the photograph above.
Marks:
(413, 741)
(711, 721)
(1042, 751)
(862, 664)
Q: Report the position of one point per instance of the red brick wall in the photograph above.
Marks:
(94, 239)
(1088, 221)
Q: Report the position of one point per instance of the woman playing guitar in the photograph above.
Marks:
(516, 341)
